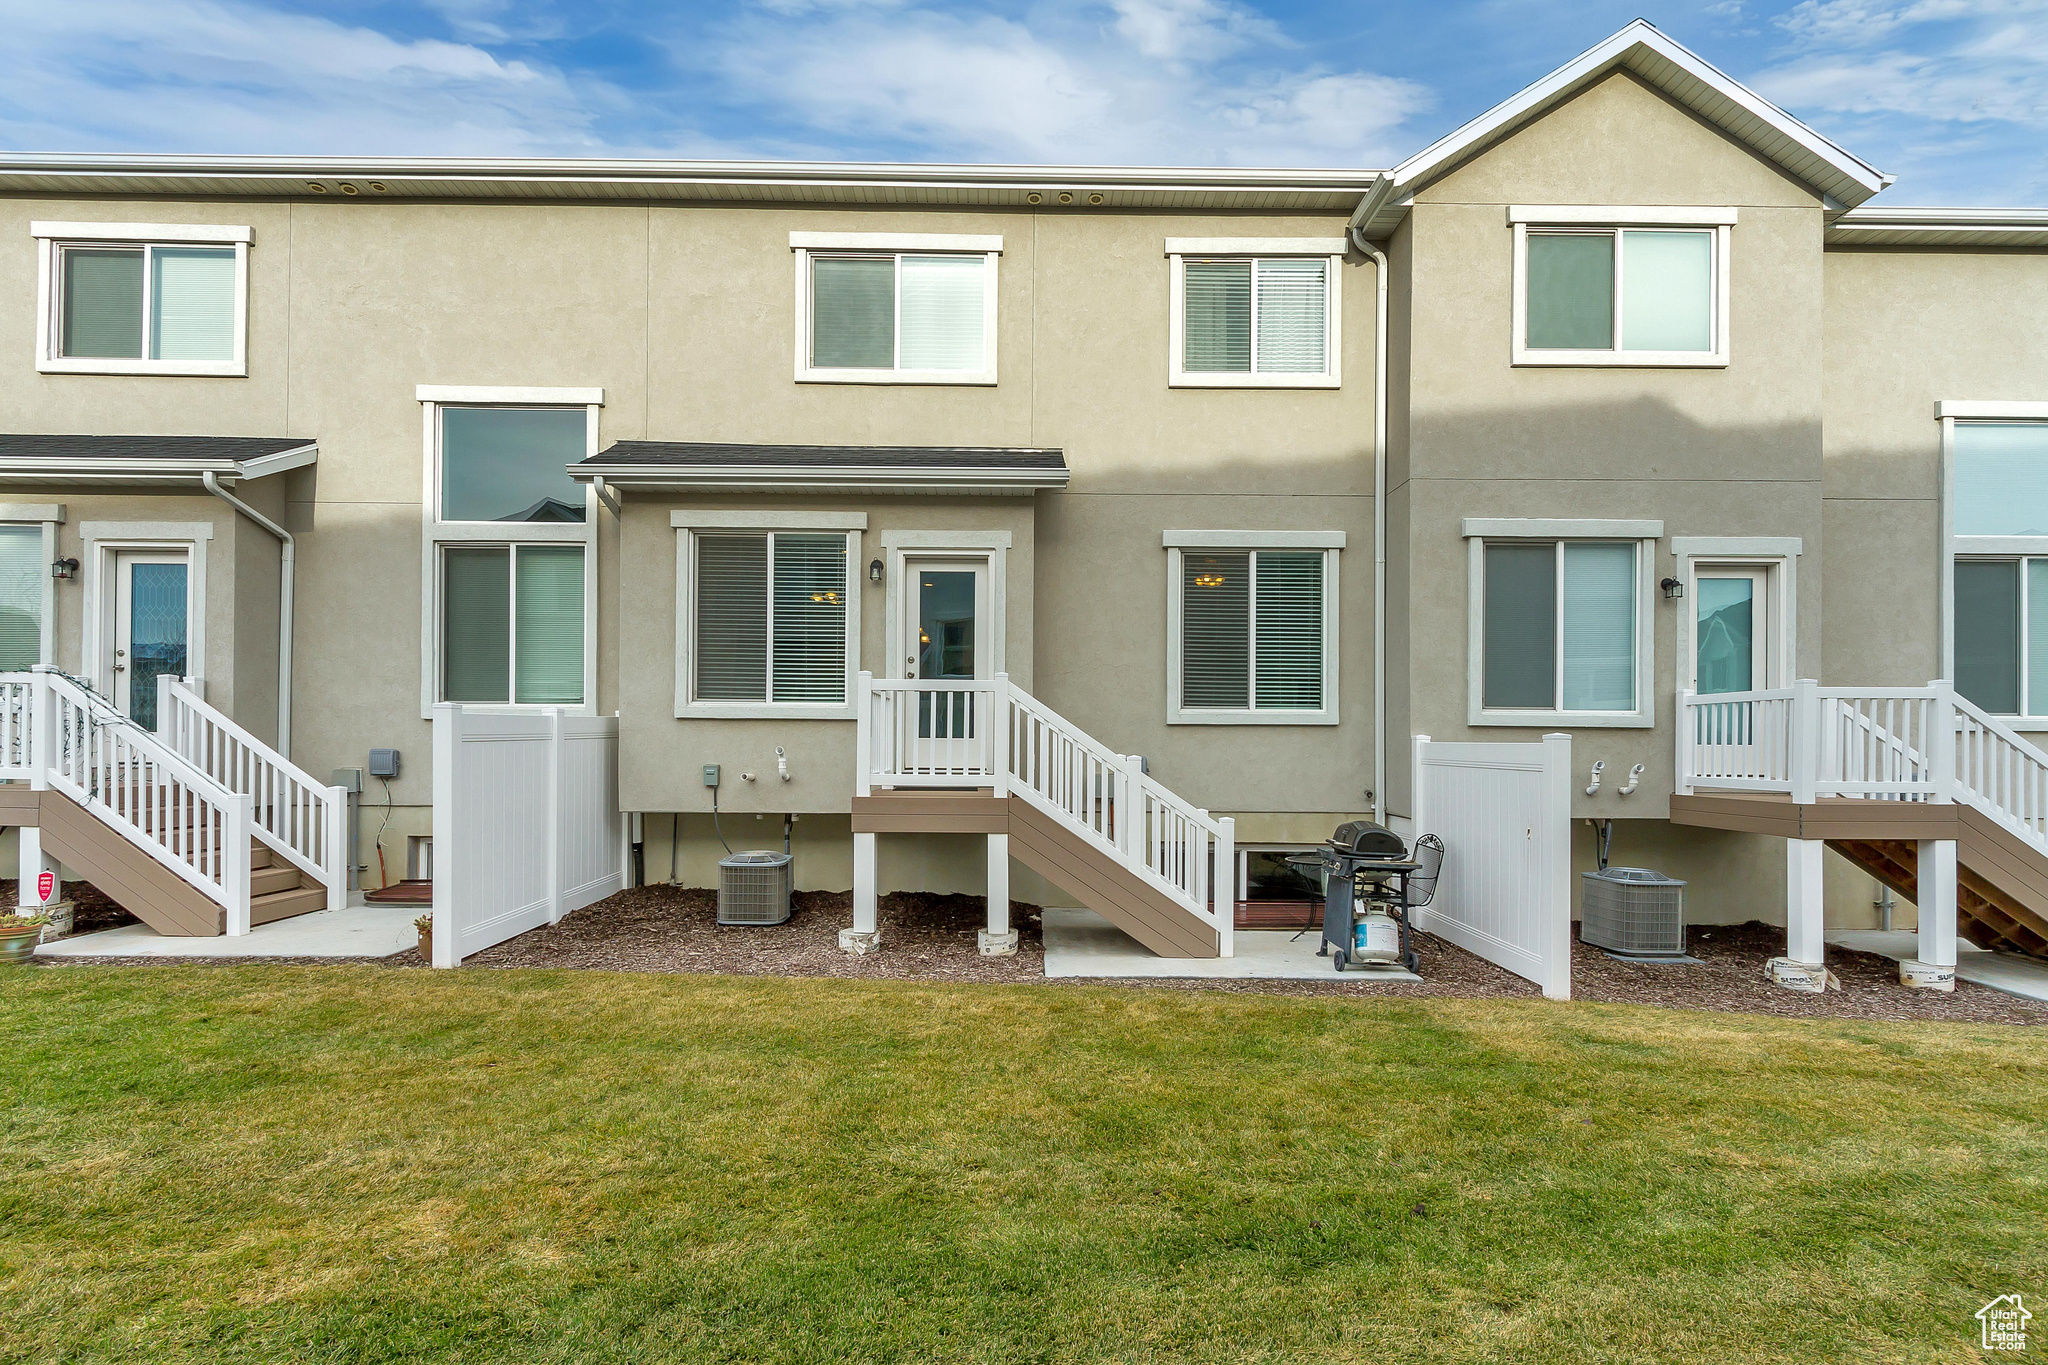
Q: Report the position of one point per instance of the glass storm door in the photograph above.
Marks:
(1729, 636)
(152, 611)
(946, 626)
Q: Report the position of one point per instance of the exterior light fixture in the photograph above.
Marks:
(1095, 198)
(1673, 589)
(1034, 198)
(316, 187)
(874, 571)
(64, 568)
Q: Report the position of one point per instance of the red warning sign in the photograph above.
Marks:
(46, 886)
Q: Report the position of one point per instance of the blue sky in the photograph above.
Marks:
(1949, 95)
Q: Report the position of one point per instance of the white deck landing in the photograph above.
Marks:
(1080, 943)
(359, 931)
(2008, 972)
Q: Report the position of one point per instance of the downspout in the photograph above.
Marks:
(1379, 529)
(287, 559)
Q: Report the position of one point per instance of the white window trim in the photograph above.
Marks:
(1178, 249)
(1778, 556)
(1478, 534)
(1952, 546)
(1521, 218)
(903, 547)
(101, 539)
(53, 237)
(435, 533)
(803, 245)
(1244, 863)
(1176, 544)
(49, 516)
(688, 526)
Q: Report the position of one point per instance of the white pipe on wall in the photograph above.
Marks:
(1379, 534)
(287, 562)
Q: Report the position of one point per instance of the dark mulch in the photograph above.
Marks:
(92, 911)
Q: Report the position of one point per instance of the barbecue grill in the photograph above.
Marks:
(1360, 859)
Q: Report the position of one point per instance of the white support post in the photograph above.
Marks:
(1803, 914)
(44, 742)
(234, 861)
(1223, 890)
(1682, 785)
(334, 845)
(863, 739)
(1557, 836)
(1418, 806)
(1943, 723)
(999, 939)
(555, 833)
(863, 937)
(1935, 894)
(1804, 742)
(447, 739)
(37, 896)
(996, 737)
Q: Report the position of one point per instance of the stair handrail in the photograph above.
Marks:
(2007, 781)
(93, 752)
(294, 814)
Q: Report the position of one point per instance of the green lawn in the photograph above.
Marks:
(357, 1164)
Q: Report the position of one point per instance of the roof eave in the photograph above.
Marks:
(819, 479)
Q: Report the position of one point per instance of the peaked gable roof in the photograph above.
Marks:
(1670, 67)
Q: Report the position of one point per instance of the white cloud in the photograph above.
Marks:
(1961, 61)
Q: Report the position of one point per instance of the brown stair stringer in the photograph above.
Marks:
(1988, 912)
(138, 883)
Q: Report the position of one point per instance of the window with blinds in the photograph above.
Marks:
(912, 313)
(1251, 630)
(1630, 291)
(769, 619)
(23, 573)
(1261, 315)
(1559, 626)
(170, 303)
(512, 624)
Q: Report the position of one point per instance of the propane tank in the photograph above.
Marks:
(1375, 938)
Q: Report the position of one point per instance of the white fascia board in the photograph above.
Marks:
(1251, 540)
(141, 232)
(1565, 215)
(296, 458)
(825, 478)
(121, 469)
(490, 393)
(1992, 409)
(1256, 246)
(768, 521)
(894, 241)
(1538, 98)
(1559, 528)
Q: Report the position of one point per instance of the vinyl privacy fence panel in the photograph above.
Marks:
(527, 826)
(1504, 814)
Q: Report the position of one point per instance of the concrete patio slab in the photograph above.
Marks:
(359, 931)
(2008, 972)
(1080, 943)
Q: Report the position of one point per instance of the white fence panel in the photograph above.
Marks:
(1504, 812)
(526, 822)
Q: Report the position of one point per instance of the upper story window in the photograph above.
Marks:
(1560, 628)
(1252, 627)
(509, 609)
(1638, 286)
(876, 308)
(1255, 312)
(142, 298)
(1998, 490)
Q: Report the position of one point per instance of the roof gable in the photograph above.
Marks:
(1666, 66)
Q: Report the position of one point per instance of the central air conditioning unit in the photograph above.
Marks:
(753, 888)
(1632, 912)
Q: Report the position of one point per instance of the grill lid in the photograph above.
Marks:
(1363, 838)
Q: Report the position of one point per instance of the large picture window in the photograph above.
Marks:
(117, 302)
(1247, 319)
(1252, 629)
(768, 616)
(915, 313)
(1588, 293)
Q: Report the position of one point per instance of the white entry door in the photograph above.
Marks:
(152, 617)
(1731, 628)
(946, 621)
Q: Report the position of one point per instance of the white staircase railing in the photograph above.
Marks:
(1877, 743)
(58, 736)
(302, 820)
(942, 733)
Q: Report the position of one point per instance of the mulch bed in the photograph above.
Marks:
(932, 938)
(91, 910)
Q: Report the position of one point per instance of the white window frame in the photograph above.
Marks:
(906, 548)
(49, 516)
(688, 526)
(1524, 218)
(1948, 412)
(436, 534)
(102, 541)
(804, 246)
(53, 237)
(1778, 557)
(1179, 249)
(1175, 543)
(1480, 532)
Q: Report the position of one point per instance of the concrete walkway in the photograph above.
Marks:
(359, 931)
(1080, 943)
(2009, 972)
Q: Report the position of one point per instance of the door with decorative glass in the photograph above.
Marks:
(152, 620)
(945, 625)
(1730, 627)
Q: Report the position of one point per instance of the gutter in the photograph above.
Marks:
(1379, 519)
(287, 562)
